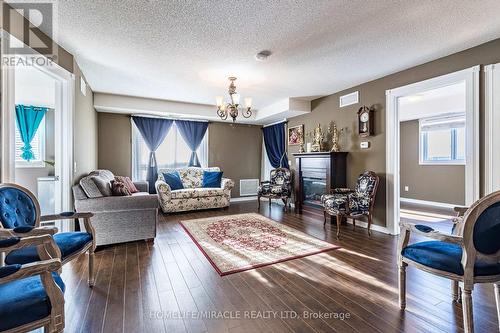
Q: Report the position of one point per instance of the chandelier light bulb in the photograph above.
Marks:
(219, 101)
(248, 102)
(235, 98)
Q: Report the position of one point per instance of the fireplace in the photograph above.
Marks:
(313, 189)
(317, 173)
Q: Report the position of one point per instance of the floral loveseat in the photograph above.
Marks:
(193, 196)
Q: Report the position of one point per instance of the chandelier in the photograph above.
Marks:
(232, 108)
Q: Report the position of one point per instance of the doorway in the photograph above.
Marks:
(39, 156)
(447, 134)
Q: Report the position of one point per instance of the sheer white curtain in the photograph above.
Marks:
(266, 166)
(172, 153)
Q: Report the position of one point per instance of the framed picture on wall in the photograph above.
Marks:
(295, 135)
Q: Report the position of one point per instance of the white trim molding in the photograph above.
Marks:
(471, 78)
(429, 203)
(491, 129)
(241, 199)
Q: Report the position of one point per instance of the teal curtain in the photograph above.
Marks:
(28, 119)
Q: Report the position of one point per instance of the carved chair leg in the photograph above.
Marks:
(339, 221)
(467, 310)
(270, 202)
(497, 299)
(402, 285)
(369, 224)
(353, 224)
(324, 216)
(258, 200)
(285, 201)
(91, 268)
(455, 291)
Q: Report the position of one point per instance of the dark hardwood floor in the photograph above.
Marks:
(145, 287)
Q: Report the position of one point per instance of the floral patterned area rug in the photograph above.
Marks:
(237, 243)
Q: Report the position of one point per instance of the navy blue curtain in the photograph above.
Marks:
(274, 140)
(153, 131)
(192, 132)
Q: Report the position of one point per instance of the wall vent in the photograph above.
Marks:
(349, 99)
(248, 187)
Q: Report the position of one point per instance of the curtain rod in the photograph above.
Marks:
(170, 118)
(277, 122)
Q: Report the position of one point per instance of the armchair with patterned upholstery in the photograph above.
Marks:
(468, 255)
(20, 217)
(279, 186)
(31, 295)
(352, 203)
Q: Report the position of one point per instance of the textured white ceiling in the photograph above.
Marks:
(184, 50)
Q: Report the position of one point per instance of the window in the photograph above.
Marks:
(172, 153)
(442, 140)
(38, 148)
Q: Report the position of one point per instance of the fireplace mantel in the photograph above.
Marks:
(317, 173)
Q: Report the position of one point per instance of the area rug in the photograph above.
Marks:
(237, 243)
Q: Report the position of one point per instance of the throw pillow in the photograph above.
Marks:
(119, 188)
(212, 178)
(173, 180)
(128, 182)
(103, 185)
(90, 188)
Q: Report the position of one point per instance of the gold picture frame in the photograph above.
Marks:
(295, 135)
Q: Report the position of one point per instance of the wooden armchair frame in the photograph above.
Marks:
(40, 230)
(45, 245)
(464, 236)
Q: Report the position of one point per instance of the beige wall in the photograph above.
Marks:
(85, 131)
(327, 109)
(115, 143)
(439, 183)
(237, 150)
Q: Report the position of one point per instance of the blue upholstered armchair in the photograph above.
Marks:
(279, 186)
(31, 295)
(20, 217)
(470, 255)
(353, 203)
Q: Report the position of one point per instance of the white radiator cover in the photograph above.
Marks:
(248, 187)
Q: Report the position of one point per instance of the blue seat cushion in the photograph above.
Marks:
(68, 242)
(24, 301)
(446, 257)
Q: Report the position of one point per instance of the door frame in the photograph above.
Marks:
(471, 77)
(64, 101)
(491, 126)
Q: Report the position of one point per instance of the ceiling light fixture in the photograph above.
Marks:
(232, 108)
(262, 55)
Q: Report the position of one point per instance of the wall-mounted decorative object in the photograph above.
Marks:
(366, 126)
(318, 137)
(349, 99)
(335, 133)
(295, 135)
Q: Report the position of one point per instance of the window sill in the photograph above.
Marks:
(442, 163)
(30, 165)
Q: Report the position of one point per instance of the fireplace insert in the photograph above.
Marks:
(313, 189)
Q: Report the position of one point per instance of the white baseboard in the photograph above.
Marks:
(429, 203)
(240, 199)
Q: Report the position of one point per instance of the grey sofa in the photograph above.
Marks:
(121, 219)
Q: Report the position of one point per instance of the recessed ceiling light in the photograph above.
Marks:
(262, 55)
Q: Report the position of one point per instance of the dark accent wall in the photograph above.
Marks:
(235, 148)
(327, 108)
(439, 183)
(115, 143)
